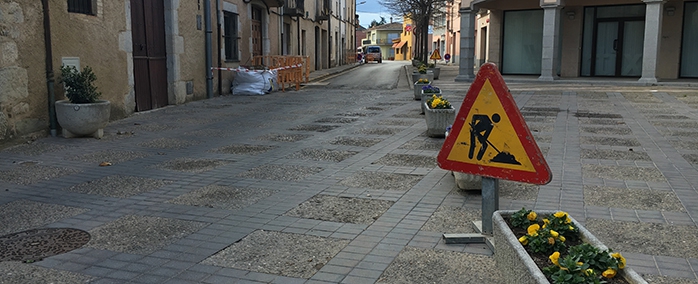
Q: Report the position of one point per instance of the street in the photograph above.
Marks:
(338, 183)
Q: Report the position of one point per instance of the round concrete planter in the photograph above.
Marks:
(517, 267)
(438, 120)
(467, 181)
(83, 119)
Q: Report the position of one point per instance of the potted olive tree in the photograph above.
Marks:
(82, 114)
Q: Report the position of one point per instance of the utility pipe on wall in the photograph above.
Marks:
(49, 70)
(218, 43)
(209, 64)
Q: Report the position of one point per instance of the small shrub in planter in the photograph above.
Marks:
(79, 86)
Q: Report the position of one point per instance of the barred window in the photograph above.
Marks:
(81, 6)
(231, 36)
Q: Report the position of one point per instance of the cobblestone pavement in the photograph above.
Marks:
(329, 186)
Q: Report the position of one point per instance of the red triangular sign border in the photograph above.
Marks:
(540, 176)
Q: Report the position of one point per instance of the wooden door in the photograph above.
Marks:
(256, 31)
(149, 56)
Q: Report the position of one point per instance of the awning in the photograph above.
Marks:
(399, 44)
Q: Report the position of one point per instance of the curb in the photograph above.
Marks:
(333, 72)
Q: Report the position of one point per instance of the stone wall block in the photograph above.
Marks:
(13, 85)
(9, 54)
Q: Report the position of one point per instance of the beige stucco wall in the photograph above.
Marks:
(193, 59)
(95, 40)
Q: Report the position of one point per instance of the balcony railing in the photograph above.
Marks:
(294, 8)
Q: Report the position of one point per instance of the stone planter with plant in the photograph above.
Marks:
(422, 72)
(439, 115)
(434, 69)
(552, 247)
(426, 93)
(82, 114)
(418, 87)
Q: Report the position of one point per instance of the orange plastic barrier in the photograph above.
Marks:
(291, 69)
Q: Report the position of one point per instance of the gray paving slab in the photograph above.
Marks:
(216, 171)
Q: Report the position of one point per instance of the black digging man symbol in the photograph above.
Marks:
(481, 127)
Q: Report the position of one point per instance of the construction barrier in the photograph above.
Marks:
(292, 69)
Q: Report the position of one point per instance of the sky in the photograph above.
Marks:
(372, 10)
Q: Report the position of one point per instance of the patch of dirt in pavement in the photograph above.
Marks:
(604, 154)
(141, 234)
(284, 137)
(23, 215)
(286, 254)
(314, 127)
(118, 186)
(450, 219)
(636, 199)
(421, 143)
(281, 172)
(341, 209)
(243, 149)
(356, 141)
(379, 180)
(322, 155)
(26, 173)
(610, 141)
(223, 197)
(622, 173)
(17, 272)
(416, 265)
(407, 160)
(607, 130)
(192, 165)
(646, 238)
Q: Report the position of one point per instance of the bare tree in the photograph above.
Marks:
(421, 13)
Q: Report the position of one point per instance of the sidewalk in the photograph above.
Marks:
(306, 187)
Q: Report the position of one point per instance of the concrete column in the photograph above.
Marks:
(653, 30)
(467, 46)
(551, 36)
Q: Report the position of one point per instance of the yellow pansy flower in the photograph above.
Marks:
(523, 240)
(533, 229)
(532, 216)
(555, 257)
(609, 273)
(562, 239)
(589, 272)
(560, 214)
(554, 234)
(551, 240)
(621, 259)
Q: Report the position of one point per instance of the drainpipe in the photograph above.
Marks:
(49, 70)
(218, 51)
(329, 37)
(209, 72)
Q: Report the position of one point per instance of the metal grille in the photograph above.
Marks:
(80, 6)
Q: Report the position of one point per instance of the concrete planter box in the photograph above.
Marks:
(424, 97)
(438, 120)
(83, 119)
(517, 267)
(436, 71)
(418, 90)
(429, 76)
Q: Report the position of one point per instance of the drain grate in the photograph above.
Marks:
(37, 244)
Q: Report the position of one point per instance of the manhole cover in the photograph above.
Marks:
(37, 244)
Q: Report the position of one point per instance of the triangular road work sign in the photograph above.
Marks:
(435, 55)
(490, 137)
